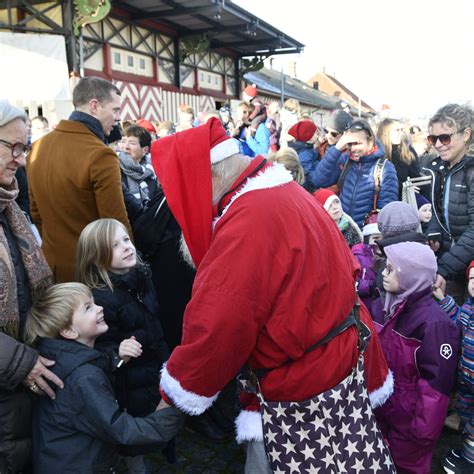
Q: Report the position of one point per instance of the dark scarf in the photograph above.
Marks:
(90, 122)
(136, 173)
(37, 270)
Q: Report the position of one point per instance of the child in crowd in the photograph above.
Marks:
(420, 344)
(367, 253)
(463, 316)
(78, 430)
(107, 263)
(424, 211)
(332, 205)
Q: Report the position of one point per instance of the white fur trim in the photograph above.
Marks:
(329, 201)
(224, 149)
(370, 229)
(249, 426)
(275, 175)
(380, 395)
(189, 402)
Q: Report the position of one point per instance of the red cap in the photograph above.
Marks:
(148, 126)
(471, 265)
(251, 90)
(303, 131)
(325, 197)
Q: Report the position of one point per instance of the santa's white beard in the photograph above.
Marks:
(185, 253)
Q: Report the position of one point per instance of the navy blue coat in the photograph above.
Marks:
(78, 432)
(357, 194)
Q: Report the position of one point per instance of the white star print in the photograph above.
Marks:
(327, 413)
(336, 395)
(335, 448)
(331, 431)
(363, 431)
(351, 447)
(313, 406)
(341, 467)
(285, 428)
(345, 429)
(298, 416)
(356, 414)
(271, 436)
(375, 465)
(369, 449)
(388, 462)
(358, 465)
(289, 446)
(279, 471)
(275, 455)
(293, 465)
(341, 413)
(267, 418)
(350, 397)
(280, 411)
(313, 470)
(303, 434)
(324, 441)
(318, 423)
(308, 452)
(328, 459)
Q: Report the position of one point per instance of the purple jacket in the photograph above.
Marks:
(420, 344)
(368, 276)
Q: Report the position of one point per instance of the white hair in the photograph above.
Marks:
(9, 112)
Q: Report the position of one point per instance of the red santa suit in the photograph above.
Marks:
(275, 276)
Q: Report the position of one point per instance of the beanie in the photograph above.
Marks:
(148, 126)
(303, 131)
(370, 229)
(9, 113)
(397, 218)
(251, 90)
(421, 200)
(325, 197)
(339, 120)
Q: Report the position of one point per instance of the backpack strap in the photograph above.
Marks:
(342, 176)
(378, 178)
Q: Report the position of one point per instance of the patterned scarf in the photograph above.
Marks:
(136, 174)
(37, 270)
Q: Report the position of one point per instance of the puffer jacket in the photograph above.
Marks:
(16, 362)
(307, 156)
(420, 344)
(357, 193)
(458, 232)
(131, 309)
(78, 431)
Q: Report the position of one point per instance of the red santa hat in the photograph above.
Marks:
(303, 131)
(251, 91)
(183, 165)
(325, 197)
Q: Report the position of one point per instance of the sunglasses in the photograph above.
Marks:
(333, 134)
(356, 125)
(444, 138)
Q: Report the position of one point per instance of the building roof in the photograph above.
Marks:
(270, 81)
(224, 24)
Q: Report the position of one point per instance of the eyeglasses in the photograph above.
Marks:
(333, 134)
(17, 148)
(444, 138)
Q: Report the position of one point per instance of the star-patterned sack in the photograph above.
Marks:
(334, 432)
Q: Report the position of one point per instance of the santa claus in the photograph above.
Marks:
(274, 275)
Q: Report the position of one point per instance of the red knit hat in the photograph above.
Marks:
(251, 90)
(471, 265)
(148, 126)
(303, 131)
(183, 165)
(325, 197)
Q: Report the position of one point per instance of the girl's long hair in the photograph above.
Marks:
(383, 134)
(94, 253)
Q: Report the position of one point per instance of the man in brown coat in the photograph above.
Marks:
(73, 177)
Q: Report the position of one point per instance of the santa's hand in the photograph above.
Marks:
(129, 348)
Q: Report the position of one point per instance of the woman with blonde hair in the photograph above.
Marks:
(289, 159)
(398, 150)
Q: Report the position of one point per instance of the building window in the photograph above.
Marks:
(117, 59)
(216, 80)
(208, 78)
(201, 77)
(142, 63)
(130, 61)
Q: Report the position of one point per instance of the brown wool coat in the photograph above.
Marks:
(73, 180)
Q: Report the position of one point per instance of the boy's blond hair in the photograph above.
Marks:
(53, 310)
(290, 160)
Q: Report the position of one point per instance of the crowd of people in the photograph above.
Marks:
(148, 268)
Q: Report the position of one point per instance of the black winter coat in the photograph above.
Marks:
(413, 170)
(458, 232)
(78, 432)
(132, 310)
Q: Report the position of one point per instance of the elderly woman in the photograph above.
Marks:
(356, 164)
(451, 229)
(23, 272)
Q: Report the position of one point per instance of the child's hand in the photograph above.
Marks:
(129, 348)
(438, 293)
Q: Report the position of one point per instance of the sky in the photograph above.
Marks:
(413, 55)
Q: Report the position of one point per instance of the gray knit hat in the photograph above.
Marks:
(338, 120)
(9, 112)
(397, 218)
